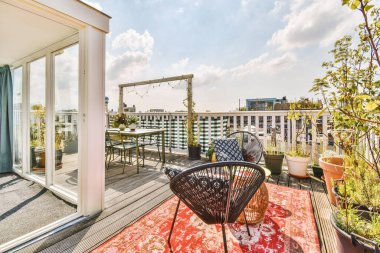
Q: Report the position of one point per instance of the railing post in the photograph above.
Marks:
(282, 128)
(234, 122)
(249, 123)
(294, 137)
(265, 122)
(221, 122)
(257, 125)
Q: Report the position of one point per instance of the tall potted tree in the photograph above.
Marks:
(351, 90)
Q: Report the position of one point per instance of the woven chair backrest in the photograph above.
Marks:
(218, 192)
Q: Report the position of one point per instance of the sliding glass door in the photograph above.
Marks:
(66, 79)
(45, 111)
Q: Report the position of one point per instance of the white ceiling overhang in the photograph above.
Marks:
(27, 27)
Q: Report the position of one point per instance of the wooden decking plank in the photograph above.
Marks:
(293, 182)
(113, 221)
(324, 210)
(129, 196)
(148, 187)
(128, 184)
(97, 239)
(317, 220)
(283, 179)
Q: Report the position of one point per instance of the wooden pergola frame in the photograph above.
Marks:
(188, 78)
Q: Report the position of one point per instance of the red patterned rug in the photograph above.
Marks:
(288, 226)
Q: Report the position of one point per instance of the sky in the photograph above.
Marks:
(237, 49)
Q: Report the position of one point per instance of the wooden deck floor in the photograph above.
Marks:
(129, 196)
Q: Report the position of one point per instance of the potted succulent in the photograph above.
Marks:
(351, 91)
(132, 122)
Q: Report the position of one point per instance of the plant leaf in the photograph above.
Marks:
(371, 106)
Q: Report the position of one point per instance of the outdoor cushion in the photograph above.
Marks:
(227, 149)
(172, 171)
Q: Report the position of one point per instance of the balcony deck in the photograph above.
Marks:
(130, 196)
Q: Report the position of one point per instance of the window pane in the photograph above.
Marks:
(37, 117)
(66, 118)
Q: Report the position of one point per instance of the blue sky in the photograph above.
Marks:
(236, 49)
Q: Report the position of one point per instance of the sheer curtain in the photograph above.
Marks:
(6, 121)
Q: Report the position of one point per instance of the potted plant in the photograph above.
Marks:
(298, 158)
(273, 159)
(273, 156)
(211, 153)
(37, 136)
(297, 155)
(351, 91)
(120, 121)
(59, 136)
(194, 147)
(132, 122)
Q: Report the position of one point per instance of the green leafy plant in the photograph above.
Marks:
(361, 185)
(37, 128)
(272, 149)
(297, 151)
(352, 222)
(351, 94)
(132, 119)
(210, 151)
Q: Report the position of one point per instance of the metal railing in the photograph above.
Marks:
(219, 124)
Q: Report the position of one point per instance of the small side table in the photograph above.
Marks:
(257, 206)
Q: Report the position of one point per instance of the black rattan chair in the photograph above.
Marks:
(217, 192)
(250, 145)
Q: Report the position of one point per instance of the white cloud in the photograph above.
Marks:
(181, 64)
(244, 3)
(317, 22)
(278, 7)
(180, 10)
(263, 64)
(96, 5)
(136, 53)
(132, 40)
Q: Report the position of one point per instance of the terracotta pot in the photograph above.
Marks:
(332, 169)
(297, 166)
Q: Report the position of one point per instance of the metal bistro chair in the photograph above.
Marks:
(150, 141)
(251, 146)
(217, 192)
(116, 142)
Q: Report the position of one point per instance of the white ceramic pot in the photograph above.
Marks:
(298, 166)
(132, 127)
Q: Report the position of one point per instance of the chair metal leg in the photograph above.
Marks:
(224, 238)
(143, 156)
(246, 224)
(125, 161)
(171, 229)
(158, 150)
